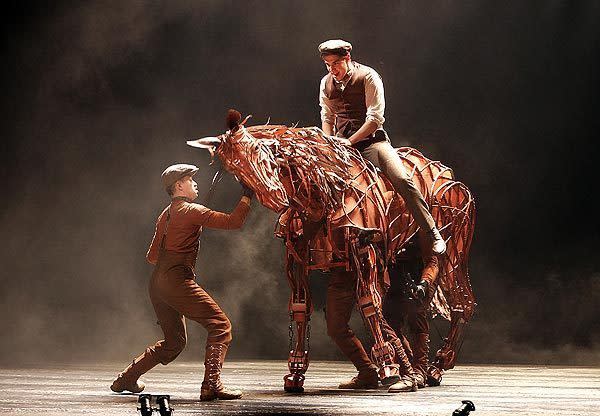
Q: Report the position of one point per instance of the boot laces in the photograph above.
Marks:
(213, 364)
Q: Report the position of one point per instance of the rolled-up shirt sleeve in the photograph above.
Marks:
(374, 98)
(327, 115)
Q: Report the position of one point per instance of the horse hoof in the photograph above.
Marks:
(294, 383)
(293, 389)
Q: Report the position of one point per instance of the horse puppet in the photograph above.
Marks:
(337, 212)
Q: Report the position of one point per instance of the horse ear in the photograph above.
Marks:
(233, 119)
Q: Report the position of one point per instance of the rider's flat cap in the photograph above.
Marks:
(335, 47)
(175, 172)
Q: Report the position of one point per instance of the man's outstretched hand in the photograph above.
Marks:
(247, 191)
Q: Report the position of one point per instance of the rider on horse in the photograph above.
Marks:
(352, 107)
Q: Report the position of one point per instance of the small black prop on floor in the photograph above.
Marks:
(164, 407)
(144, 400)
(464, 410)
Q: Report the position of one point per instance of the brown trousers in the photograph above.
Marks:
(175, 295)
(398, 310)
(341, 299)
(383, 155)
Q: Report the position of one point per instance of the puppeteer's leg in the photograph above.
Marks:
(396, 310)
(164, 351)
(197, 305)
(341, 299)
(407, 380)
(421, 357)
(128, 379)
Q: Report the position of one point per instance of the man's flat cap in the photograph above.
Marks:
(175, 172)
(335, 47)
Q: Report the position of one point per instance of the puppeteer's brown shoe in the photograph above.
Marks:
(121, 384)
(366, 379)
(212, 388)
(420, 379)
(208, 394)
(406, 383)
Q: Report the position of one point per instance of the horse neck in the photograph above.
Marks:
(308, 204)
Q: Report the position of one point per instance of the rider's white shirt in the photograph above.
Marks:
(374, 98)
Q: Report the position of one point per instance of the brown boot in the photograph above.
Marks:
(212, 388)
(407, 373)
(128, 378)
(421, 358)
(366, 379)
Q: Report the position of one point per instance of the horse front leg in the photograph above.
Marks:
(446, 355)
(300, 309)
(370, 307)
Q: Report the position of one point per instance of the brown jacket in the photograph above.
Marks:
(186, 222)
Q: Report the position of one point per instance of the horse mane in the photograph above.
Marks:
(320, 165)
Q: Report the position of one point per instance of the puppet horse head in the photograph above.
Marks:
(298, 168)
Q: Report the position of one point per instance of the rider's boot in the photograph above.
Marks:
(420, 358)
(212, 388)
(407, 374)
(438, 245)
(128, 379)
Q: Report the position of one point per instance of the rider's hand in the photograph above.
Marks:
(344, 141)
(341, 140)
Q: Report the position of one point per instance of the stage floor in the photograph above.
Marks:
(517, 390)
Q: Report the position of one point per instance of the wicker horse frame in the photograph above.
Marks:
(337, 211)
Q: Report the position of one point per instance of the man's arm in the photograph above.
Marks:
(327, 116)
(152, 254)
(365, 130)
(214, 219)
(327, 128)
(375, 102)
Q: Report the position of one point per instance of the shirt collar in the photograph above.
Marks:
(180, 198)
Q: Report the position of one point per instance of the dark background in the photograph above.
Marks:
(99, 97)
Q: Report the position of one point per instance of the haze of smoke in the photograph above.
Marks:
(109, 95)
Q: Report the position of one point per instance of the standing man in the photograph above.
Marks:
(352, 106)
(173, 290)
(413, 279)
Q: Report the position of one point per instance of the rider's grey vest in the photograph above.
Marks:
(348, 104)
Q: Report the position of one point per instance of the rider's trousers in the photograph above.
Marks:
(383, 155)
